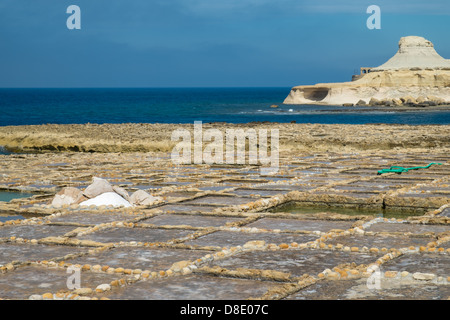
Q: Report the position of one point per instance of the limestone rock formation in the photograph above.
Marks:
(121, 192)
(97, 187)
(142, 198)
(416, 71)
(68, 196)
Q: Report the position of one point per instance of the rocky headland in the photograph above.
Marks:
(416, 76)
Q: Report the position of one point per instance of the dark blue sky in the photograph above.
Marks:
(190, 43)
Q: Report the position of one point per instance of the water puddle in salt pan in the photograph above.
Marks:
(298, 208)
(7, 196)
(5, 216)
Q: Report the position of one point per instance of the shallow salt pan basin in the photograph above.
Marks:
(306, 225)
(299, 208)
(421, 262)
(288, 187)
(135, 234)
(407, 227)
(5, 216)
(260, 192)
(358, 289)
(33, 252)
(230, 239)
(219, 200)
(380, 241)
(193, 287)
(89, 218)
(190, 220)
(34, 231)
(140, 258)
(187, 208)
(295, 262)
(180, 194)
(26, 281)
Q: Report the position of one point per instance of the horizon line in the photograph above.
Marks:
(144, 87)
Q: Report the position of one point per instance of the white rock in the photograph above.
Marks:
(423, 276)
(103, 287)
(66, 196)
(142, 198)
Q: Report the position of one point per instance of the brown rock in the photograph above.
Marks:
(397, 102)
(255, 244)
(374, 102)
(178, 266)
(275, 275)
(67, 196)
(83, 291)
(406, 98)
(97, 187)
(387, 103)
(114, 283)
(121, 192)
(390, 274)
(47, 295)
(141, 197)
(421, 100)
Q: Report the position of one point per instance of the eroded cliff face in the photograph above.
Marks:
(426, 85)
(416, 74)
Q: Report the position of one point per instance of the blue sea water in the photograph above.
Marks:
(186, 105)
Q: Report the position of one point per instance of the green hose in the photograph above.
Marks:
(399, 170)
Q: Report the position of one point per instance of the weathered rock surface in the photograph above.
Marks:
(423, 276)
(122, 192)
(142, 198)
(293, 136)
(98, 187)
(67, 196)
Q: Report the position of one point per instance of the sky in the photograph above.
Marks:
(206, 43)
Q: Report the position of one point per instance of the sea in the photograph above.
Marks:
(186, 105)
